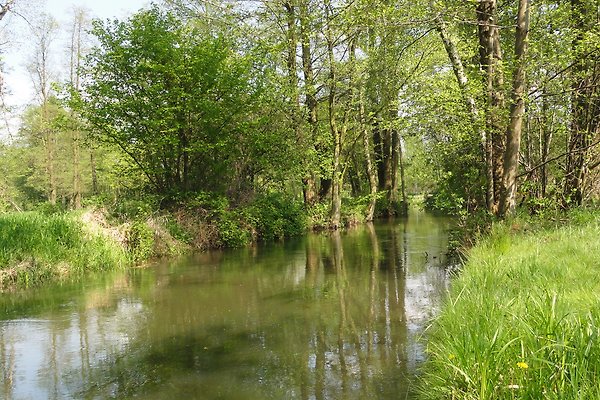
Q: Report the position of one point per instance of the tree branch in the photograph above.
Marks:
(557, 157)
(4, 9)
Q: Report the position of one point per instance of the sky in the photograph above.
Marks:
(16, 46)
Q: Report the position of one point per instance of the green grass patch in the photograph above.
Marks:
(35, 248)
(522, 320)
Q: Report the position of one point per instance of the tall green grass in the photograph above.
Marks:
(523, 318)
(35, 248)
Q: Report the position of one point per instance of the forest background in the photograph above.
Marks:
(267, 116)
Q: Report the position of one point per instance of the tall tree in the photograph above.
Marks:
(184, 107)
(585, 98)
(517, 110)
(336, 133)
(310, 95)
(490, 59)
(42, 75)
(76, 50)
(471, 105)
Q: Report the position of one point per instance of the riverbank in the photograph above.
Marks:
(38, 247)
(46, 245)
(523, 317)
(35, 248)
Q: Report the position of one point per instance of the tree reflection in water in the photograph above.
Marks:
(331, 316)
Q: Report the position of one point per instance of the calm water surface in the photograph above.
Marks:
(329, 316)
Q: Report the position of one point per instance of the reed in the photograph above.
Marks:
(522, 320)
(35, 248)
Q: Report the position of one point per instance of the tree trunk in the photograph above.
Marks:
(546, 140)
(395, 173)
(490, 55)
(368, 160)
(354, 176)
(336, 184)
(517, 110)
(48, 140)
(404, 208)
(75, 64)
(76, 170)
(309, 182)
(585, 106)
(388, 169)
(95, 189)
(478, 129)
(379, 156)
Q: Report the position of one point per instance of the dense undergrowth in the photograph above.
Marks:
(523, 318)
(52, 244)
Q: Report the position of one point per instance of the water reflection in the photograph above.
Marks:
(331, 316)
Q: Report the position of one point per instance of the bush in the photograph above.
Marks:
(385, 208)
(232, 232)
(140, 241)
(275, 217)
(134, 208)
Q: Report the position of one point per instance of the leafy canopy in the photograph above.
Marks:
(174, 100)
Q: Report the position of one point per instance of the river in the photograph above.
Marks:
(327, 316)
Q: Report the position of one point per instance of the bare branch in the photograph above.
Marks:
(5, 8)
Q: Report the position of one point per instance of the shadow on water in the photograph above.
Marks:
(329, 316)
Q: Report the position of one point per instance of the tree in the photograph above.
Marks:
(42, 76)
(585, 98)
(517, 109)
(490, 59)
(177, 102)
(470, 103)
(77, 50)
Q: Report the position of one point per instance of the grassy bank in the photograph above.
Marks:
(50, 244)
(523, 318)
(36, 248)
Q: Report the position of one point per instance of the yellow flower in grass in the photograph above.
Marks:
(522, 365)
(451, 357)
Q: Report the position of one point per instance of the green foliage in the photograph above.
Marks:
(318, 216)
(386, 208)
(460, 184)
(233, 232)
(39, 247)
(182, 105)
(269, 217)
(522, 318)
(176, 230)
(140, 241)
(127, 209)
(276, 216)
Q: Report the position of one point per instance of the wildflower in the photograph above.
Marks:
(522, 365)
(451, 357)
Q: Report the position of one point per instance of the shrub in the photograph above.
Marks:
(140, 241)
(275, 217)
(134, 208)
(232, 232)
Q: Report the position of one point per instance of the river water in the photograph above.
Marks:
(328, 316)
